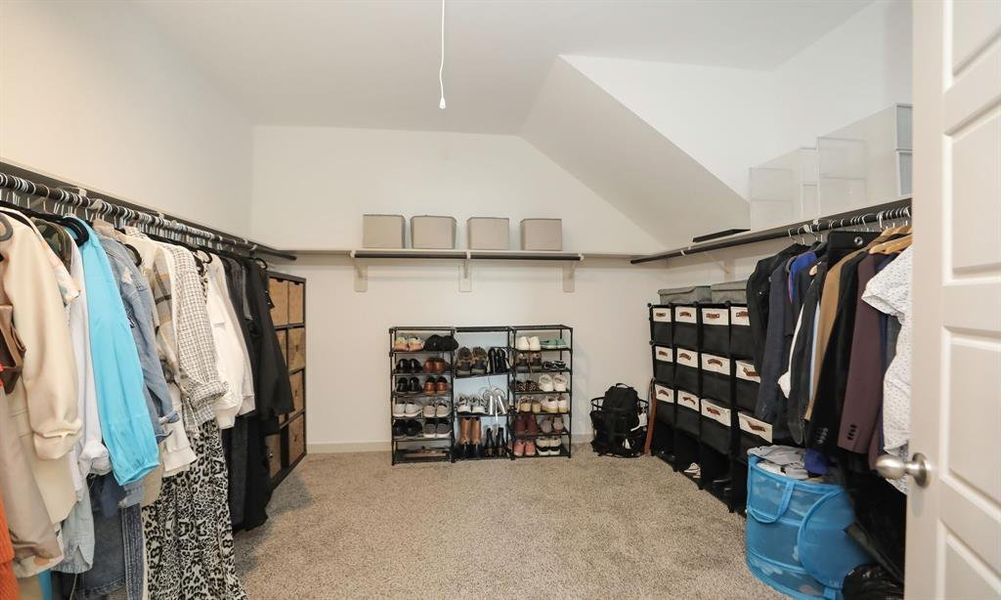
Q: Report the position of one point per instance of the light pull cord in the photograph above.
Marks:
(441, 67)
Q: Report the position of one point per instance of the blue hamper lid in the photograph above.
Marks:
(825, 550)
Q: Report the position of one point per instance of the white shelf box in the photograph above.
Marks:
(865, 163)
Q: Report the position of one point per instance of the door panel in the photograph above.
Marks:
(954, 524)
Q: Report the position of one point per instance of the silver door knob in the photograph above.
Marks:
(894, 467)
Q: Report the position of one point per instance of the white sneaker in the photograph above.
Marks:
(479, 406)
(441, 410)
(546, 383)
(522, 344)
(412, 409)
(399, 408)
(429, 410)
(550, 405)
(464, 405)
(559, 383)
(542, 446)
(534, 344)
(563, 404)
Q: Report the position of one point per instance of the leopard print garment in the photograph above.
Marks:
(189, 538)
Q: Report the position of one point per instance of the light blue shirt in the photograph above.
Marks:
(121, 401)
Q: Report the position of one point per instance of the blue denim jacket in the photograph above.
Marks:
(118, 374)
(139, 306)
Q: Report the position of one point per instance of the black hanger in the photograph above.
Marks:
(80, 233)
(136, 257)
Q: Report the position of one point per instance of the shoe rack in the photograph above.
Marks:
(530, 364)
(418, 446)
(482, 426)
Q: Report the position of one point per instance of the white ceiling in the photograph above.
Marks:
(375, 63)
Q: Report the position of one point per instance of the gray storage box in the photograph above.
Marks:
(542, 234)
(488, 233)
(432, 233)
(685, 295)
(729, 291)
(383, 231)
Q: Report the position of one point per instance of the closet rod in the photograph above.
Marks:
(19, 179)
(860, 216)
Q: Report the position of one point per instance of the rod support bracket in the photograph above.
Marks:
(360, 269)
(466, 275)
(569, 277)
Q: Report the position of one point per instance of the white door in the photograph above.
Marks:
(954, 523)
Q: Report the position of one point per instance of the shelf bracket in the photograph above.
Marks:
(569, 277)
(466, 275)
(361, 276)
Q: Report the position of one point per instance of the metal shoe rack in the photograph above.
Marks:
(420, 448)
(565, 354)
(495, 416)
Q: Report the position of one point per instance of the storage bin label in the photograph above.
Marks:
(685, 314)
(688, 358)
(755, 427)
(715, 316)
(664, 394)
(740, 316)
(747, 372)
(662, 315)
(689, 401)
(716, 412)
(664, 354)
(716, 364)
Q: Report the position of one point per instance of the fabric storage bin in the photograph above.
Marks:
(684, 295)
(795, 538)
(753, 432)
(728, 291)
(715, 326)
(686, 370)
(686, 328)
(663, 364)
(542, 234)
(383, 231)
(746, 385)
(488, 233)
(660, 324)
(686, 416)
(741, 342)
(715, 426)
(716, 377)
(432, 233)
(665, 403)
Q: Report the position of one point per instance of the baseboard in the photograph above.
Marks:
(342, 447)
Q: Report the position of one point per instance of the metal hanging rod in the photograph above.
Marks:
(21, 180)
(878, 213)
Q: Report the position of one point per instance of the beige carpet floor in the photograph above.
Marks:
(352, 526)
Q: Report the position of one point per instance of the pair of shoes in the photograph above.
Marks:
(553, 344)
(406, 428)
(549, 446)
(554, 365)
(435, 385)
(440, 343)
(406, 408)
(464, 362)
(494, 446)
(403, 343)
(436, 409)
(524, 447)
(526, 386)
(437, 429)
(497, 360)
(526, 343)
(403, 385)
(408, 365)
(479, 361)
(435, 364)
(470, 442)
(525, 426)
(551, 424)
(553, 383)
(471, 405)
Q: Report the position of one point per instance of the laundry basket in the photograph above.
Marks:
(796, 540)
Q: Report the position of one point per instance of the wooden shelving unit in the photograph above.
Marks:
(288, 447)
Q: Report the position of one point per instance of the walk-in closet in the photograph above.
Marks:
(324, 299)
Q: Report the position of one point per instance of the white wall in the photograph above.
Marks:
(336, 175)
(732, 119)
(89, 92)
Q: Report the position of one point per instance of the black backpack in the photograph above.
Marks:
(615, 419)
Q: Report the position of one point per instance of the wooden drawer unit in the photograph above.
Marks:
(274, 445)
(296, 303)
(296, 348)
(298, 391)
(296, 439)
(279, 292)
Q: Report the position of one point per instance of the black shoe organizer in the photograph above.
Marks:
(486, 337)
(407, 448)
(563, 353)
(710, 394)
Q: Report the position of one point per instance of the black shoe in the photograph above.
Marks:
(399, 428)
(415, 366)
(448, 343)
(415, 386)
(433, 343)
(488, 445)
(501, 442)
(403, 366)
(413, 428)
(501, 362)
(401, 385)
(492, 361)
